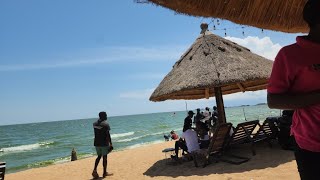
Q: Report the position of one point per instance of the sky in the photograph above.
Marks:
(63, 60)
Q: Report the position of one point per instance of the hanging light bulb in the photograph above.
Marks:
(214, 27)
(261, 30)
(225, 32)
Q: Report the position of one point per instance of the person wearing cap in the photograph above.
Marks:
(188, 119)
(295, 84)
(102, 143)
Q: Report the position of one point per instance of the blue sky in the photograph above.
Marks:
(63, 60)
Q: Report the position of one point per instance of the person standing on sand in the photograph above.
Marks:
(295, 84)
(197, 117)
(188, 119)
(102, 143)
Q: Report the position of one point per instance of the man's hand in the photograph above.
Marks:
(110, 148)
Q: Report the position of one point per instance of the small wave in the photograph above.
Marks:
(163, 132)
(130, 139)
(122, 134)
(57, 160)
(144, 144)
(27, 147)
(139, 137)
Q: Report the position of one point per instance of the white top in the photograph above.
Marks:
(191, 139)
(206, 115)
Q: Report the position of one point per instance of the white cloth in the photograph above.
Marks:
(191, 139)
(206, 115)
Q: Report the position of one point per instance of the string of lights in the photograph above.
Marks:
(217, 27)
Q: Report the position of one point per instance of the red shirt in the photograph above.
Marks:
(296, 70)
(174, 136)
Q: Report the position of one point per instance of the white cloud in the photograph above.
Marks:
(104, 55)
(236, 99)
(263, 47)
(247, 96)
(137, 94)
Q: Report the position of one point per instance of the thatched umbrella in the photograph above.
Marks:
(279, 15)
(214, 66)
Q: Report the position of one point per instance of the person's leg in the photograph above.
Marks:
(308, 164)
(94, 172)
(176, 148)
(96, 163)
(105, 152)
(204, 144)
(105, 163)
(184, 147)
(180, 145)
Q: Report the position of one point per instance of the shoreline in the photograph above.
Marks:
(67, 159)
(148, 161)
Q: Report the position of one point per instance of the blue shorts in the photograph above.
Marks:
(102, 150)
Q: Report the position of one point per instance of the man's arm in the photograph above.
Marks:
(109, 138)
(289, 101)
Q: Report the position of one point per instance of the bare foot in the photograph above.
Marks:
(95, 174)
(107, 174)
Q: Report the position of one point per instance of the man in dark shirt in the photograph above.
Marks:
(214, 115)
(102, 142)
(188, 119)
(198, 117)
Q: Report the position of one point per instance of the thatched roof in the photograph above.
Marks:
(279, 15)
(195, 74)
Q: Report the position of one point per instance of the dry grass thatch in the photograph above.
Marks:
(211, 62)
(279, 15)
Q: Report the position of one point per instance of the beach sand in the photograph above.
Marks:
(149, 162)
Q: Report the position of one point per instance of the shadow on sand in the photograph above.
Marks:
(266, 158)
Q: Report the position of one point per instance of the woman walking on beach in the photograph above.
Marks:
(295, 84)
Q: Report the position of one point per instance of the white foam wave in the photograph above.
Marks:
(61, 160)
(27, 147)
(138, 137)
(130, 139)
(122, 134)
(144, 144)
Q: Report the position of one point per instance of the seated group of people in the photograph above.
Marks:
(192, 139)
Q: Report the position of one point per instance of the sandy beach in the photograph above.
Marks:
(149, 162)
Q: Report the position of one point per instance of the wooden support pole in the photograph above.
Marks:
(206, 93)
(220, 105)
(241, 87)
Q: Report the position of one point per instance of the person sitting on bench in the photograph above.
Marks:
(188, 141)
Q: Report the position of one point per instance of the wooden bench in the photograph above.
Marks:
(216, 146)
(243, 133)
(268, 131)
(2, 170)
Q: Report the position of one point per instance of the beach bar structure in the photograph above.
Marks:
(277, 15)
(213, 66)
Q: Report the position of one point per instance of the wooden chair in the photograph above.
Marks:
(268, 131)
(2, 170)
(216, 146)
(243, 133)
